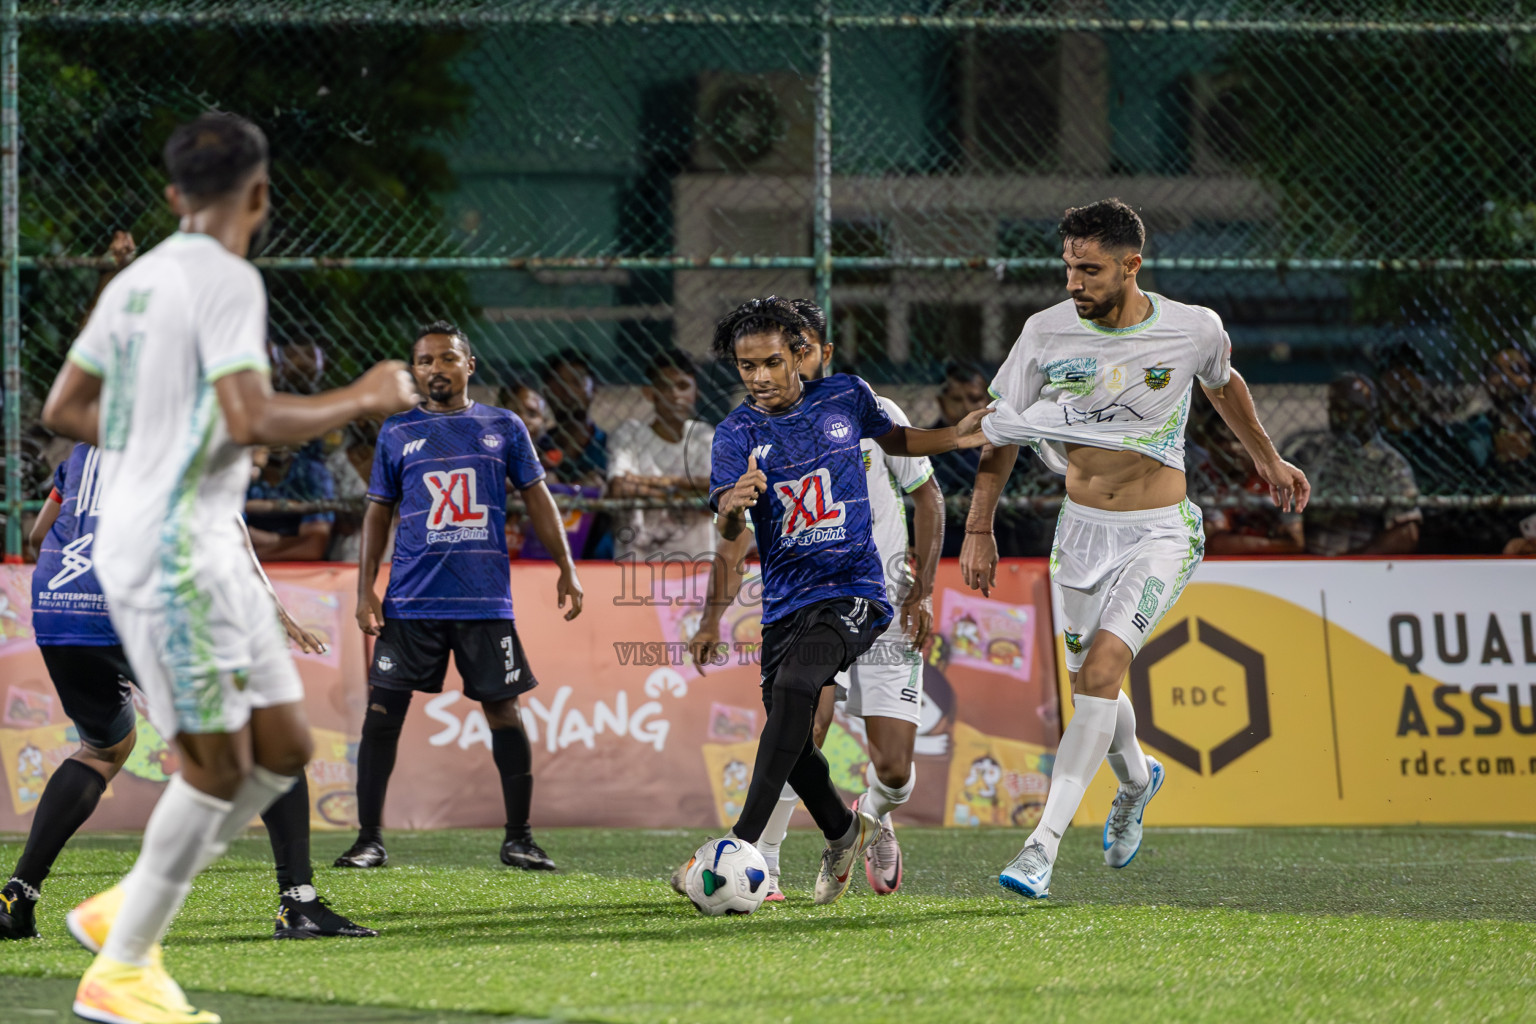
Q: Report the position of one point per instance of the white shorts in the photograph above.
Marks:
(886, 681)
(1121, 571)
(209, 655)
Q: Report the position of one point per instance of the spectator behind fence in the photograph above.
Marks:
(1510, 381)
(298, 362)
(1223, 477)
(349, 460)
(664, 458)
(575, 449)
(1353, 460)
(285, 474)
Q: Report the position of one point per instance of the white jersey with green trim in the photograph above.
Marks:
(889, 478)
(173, 483)
(1070, 381)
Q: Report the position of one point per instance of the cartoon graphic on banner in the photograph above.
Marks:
(996, 781)
(16, 611)
(31, 756)
(27, 709)
(988, 634)
(332, 781)
(152, 759)
(730, 771)
(729, 724)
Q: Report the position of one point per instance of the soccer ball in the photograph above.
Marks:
(727, 876)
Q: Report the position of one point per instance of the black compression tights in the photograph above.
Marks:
(786, 752)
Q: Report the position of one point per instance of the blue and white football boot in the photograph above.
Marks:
(1029, 874)
(1122, 831)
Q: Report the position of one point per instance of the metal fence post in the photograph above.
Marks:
(822, 214)
(11, 297)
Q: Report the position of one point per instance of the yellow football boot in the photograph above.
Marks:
(117, 993)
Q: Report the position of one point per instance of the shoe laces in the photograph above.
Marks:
(1122, 811)
(884, 850)
(1032, 859)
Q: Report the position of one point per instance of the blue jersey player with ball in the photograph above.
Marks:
(787, 462)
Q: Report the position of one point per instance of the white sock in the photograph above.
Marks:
(880, 799)
(301, 893)
(1083, 746)
(259, 791)
(180, 830)
(1125, 756)
(778, 827)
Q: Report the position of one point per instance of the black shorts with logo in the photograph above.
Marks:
(95, 687)
(859, 622)
(412, 654)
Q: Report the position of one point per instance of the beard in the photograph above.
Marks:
(1101, 308)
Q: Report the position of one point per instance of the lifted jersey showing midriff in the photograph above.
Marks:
(1120, 481)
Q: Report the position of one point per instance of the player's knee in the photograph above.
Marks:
(386, 711)
(289, 757)
(892, 769)
(503, 714)
(1100, 679)
(115, 755)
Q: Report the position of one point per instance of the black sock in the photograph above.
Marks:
(376, 756)
(287, 822)
(68, 800)
(514, 762)
(785, 750)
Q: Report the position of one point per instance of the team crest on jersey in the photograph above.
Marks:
(1074, 642)
(456, 514)
(811, 515)
(837, 427)
(1075, 375)
(491, 441)
(1114, 378)
(1158, 377)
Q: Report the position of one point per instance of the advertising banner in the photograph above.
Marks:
(1356, 692)
(624, 731)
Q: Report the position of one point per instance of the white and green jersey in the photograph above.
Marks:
(173, 483)
(1070, 381)
(889, 478)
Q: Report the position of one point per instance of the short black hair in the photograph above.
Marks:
(758, 316)
(1111, 223)
(814, 316)
(210, 156)
(565, 357)
(963, 370)
(442, 327)
(669, 359)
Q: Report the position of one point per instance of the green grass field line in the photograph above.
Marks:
(1257, 925)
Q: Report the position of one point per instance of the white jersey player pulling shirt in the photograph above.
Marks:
(202, 635)
(1070, 381)
(887, 679)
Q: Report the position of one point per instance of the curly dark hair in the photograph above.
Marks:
(814, 316)
(443, 327)
(1111, 223)
(759, 316)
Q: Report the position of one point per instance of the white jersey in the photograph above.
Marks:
(888, 478)
(173, 483)
(634, 449)
(1070, 381)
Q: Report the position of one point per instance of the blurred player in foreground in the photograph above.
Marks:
(93, 678)
(446, 465)
(824, 593)
(170, 380)
(1100, 385)
(884, 686)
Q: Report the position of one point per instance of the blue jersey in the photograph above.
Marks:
(449, 473)
(813, 523)
(67, 605)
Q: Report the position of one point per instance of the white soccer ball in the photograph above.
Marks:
(727, 876)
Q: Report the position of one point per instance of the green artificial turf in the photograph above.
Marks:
(1223, 925)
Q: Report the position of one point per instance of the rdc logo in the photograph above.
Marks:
(837, 427)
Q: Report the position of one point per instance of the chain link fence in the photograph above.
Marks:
(1347, 184)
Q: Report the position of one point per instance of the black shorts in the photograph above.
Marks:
(859, 623)
(412, 654)
(95, 687)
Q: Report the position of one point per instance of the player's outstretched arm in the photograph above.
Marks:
(909, 442)
(978, 554)
(46, 517)
(375, 535)
(307, 641)
(725, 573)
(549, 527)
(928, 542)
(255, 414)
(1288, 486)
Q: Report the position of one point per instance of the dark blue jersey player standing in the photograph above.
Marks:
(789, 458)
(446, 465)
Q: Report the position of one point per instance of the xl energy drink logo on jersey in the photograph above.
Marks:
(811, 516)
(456, 515)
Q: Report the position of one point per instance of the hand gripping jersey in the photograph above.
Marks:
(1070, 381)
(177, 319)
(449, 473)
(813, 524)
(67, 606)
